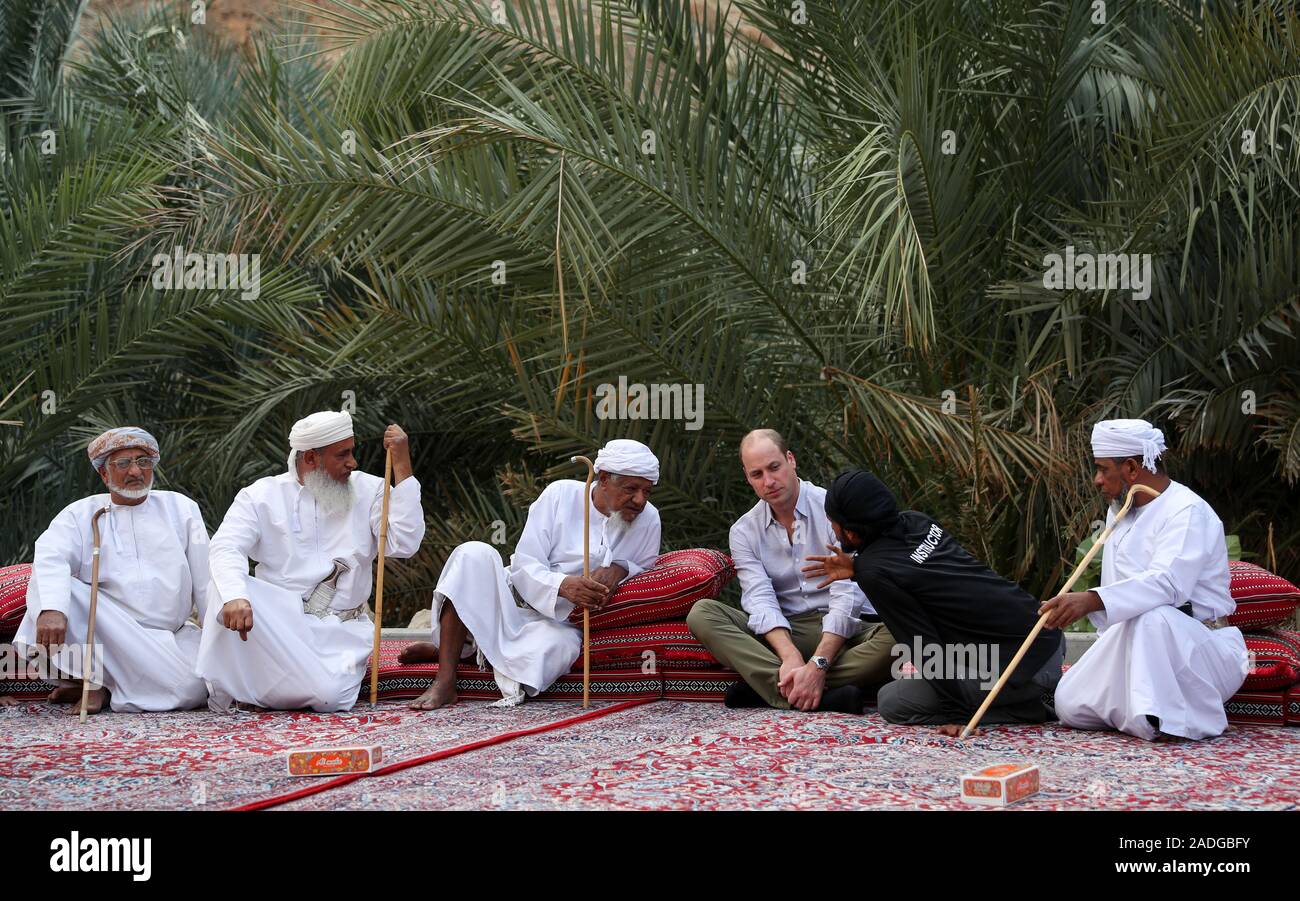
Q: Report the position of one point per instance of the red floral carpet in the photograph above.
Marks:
(661, 755)
(197, 760)
(674, 755)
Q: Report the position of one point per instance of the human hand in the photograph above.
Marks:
(584, 592)
(832, 567)
(237, 616)
(51, 630)
(803, 686)
(1066, 608)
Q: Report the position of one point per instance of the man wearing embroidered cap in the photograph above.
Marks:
(1160, 665)
(153, 572)
(530, 644)
(296, 633)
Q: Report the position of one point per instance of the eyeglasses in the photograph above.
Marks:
(124, 463)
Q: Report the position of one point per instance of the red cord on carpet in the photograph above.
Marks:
(277, 800)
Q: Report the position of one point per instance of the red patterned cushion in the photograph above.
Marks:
(1265, 708)
(399, 681)
(1275, 659)
(648, 648)
(666, 591)
(699, 685)
(13, 598)
(1263, 599)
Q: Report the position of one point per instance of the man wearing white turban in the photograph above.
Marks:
(153, 572)
(1163, 663)
(518, 616)
(296, 633)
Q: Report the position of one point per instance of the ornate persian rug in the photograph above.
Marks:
(198, 760)
(674, 755)
(661, 755)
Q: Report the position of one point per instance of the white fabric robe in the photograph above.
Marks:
(534, 645)
(293, 659)
(1150, 658)
(153, 571)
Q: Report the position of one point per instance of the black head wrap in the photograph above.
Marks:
(859, 501)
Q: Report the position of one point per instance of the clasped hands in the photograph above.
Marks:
(801, 683)
(593, 592)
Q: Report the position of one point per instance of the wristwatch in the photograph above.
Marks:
(821, 663)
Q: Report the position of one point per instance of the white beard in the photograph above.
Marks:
(616, 526)
(135, 494)
(331, 496)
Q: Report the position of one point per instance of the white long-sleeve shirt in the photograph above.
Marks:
(550, 548)
(768, 564)
(153, 557)
(275, 521)
(1168, 551)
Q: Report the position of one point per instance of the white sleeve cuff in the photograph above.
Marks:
(764, 621)
(841, 625)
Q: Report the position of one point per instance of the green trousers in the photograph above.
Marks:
(864, 660)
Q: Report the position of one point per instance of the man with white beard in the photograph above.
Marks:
(518, 616)
(1163, 664)
(153, 571)
(295, 634)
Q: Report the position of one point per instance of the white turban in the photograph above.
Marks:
(625, 457)
(318, 430)
(1122, 438)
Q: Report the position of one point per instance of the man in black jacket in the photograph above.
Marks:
(941, 604)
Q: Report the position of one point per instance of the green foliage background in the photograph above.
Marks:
(920, 157)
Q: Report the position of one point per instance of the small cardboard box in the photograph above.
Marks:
(1000, 784)
(334, 761)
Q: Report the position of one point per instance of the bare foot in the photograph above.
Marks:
(8, 701)
(250, 708)
(64, 694)
(96, 700)
(419, 652)
(953, 730)
(438, 695)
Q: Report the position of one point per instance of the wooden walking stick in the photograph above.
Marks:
(88, 653)
(379, 580)
(586, 574)
(1069, 583)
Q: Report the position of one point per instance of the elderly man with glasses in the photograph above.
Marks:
(153, 572)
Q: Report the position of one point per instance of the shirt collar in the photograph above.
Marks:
(802, 503)
(800, 506)
(115, 507)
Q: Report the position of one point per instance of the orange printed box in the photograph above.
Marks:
(334, 761)
(1000, 784)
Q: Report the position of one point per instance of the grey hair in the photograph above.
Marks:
(295, 457)
(618, 478)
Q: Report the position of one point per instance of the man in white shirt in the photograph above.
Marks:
(797, 646)
(518, 617)
(153, 572)
(1163, 664)
(296, 633)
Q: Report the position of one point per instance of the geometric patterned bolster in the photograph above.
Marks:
(665, 592)
(13, 598)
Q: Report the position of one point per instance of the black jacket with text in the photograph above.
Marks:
(926, 586)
